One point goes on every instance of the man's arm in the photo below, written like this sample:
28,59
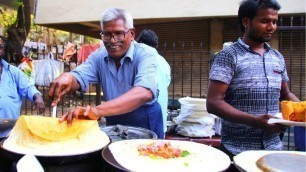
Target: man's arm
216,105
62,85
39,103
286,94
127,102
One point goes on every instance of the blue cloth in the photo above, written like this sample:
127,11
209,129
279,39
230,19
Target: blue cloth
14,85
254,84
138,68
300,138
147,116
163,79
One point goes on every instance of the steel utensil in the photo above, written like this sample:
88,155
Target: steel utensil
54,111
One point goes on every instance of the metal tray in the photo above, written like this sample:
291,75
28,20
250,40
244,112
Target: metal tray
122,132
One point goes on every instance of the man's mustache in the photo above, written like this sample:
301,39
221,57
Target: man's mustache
115,44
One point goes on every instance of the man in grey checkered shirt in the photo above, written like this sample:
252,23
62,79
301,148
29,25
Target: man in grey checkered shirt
247,81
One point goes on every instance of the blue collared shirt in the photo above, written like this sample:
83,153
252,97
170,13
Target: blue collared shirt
14,85
138,68
163,79
254,85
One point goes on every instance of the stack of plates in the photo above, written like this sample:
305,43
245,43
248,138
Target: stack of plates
194,120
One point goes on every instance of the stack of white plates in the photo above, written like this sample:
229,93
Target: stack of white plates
194,120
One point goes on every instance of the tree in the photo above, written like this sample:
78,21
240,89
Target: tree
17,32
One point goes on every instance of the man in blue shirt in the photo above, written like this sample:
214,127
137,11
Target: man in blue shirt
150,38
127,72
14,85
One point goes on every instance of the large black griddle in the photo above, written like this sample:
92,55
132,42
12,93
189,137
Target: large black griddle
6,125
120,132
50,160
89,161
109,158
282,162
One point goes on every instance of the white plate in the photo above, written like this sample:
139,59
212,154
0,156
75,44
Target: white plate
279,115
286,122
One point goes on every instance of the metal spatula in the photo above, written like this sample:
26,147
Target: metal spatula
54,111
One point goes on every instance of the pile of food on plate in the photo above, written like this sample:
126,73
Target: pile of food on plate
161,150
294,111
41,135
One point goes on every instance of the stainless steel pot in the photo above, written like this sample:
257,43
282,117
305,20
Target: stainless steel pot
123,132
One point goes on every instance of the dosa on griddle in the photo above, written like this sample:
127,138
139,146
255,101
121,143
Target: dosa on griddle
50,129
40,135
201,157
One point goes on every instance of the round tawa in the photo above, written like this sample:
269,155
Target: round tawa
282,162
201,158
247,160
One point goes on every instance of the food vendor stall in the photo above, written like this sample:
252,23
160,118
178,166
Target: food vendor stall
86,146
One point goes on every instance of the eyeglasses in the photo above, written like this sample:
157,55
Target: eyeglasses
117,36
2,47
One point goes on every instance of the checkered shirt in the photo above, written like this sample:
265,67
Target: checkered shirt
254,84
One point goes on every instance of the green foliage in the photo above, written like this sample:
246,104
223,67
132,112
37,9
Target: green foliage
62,36
7,18
91,40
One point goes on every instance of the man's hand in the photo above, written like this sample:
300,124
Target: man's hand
39,104
262,122
62,85
80,113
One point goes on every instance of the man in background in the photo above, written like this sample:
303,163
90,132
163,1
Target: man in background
150,38
15,85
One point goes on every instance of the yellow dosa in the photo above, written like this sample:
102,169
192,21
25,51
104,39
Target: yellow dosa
40,135
50,128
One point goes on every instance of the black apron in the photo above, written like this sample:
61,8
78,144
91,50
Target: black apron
146,116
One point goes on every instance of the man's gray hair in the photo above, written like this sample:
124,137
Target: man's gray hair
116,13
